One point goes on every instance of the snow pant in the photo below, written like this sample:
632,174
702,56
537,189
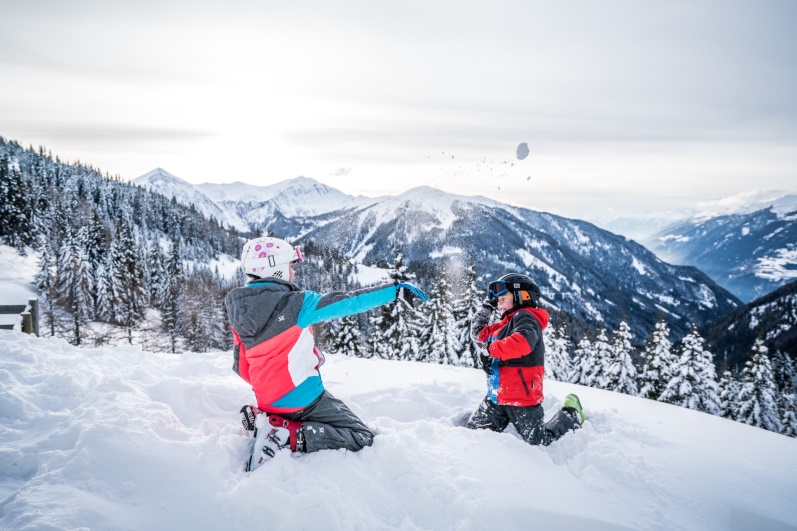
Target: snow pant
527,420
329,424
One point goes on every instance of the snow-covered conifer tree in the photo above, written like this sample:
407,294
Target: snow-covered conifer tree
583,364
729,388
557,354
158,279
757,404
346,338
397,335
15,212
657,362
788,415
104,295
694,382
439,335
785,377
173,296
46,279
621,373
128,281
601,360
75,285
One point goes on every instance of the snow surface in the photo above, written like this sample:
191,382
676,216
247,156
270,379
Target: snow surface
119,438
16,280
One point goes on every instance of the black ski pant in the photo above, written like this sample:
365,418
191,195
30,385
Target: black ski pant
329,424
527,420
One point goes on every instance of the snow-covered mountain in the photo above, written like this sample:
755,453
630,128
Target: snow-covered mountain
592,274
749,253
644,226
166,184
245,206
773,318
117,438
595,275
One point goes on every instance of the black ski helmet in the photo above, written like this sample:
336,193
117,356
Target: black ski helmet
525,291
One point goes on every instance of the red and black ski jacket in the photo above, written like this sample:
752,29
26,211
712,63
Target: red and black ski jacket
516,345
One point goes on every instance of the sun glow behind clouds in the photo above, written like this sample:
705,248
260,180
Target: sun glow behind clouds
622,105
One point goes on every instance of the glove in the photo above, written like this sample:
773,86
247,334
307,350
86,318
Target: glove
407,293
490,304
486,362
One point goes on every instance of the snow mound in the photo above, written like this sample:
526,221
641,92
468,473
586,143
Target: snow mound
119,438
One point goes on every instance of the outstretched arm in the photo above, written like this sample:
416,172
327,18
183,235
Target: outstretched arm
317,308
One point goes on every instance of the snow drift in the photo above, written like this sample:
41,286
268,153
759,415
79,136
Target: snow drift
119,438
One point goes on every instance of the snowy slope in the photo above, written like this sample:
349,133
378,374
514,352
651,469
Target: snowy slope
117,438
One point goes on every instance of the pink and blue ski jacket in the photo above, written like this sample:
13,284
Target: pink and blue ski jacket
273,345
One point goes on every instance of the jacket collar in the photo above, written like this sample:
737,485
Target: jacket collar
541,314
255,283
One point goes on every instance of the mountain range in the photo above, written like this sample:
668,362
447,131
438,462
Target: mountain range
592,274
749,253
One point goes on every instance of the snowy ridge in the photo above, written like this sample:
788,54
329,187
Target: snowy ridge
118,438
300,197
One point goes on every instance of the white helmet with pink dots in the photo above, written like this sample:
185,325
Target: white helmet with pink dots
269,257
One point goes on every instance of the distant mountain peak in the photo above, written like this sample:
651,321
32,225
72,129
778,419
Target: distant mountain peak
159,175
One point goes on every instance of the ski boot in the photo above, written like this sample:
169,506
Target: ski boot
283,433
295,431
573,404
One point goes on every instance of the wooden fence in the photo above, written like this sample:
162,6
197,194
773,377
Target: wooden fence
29,315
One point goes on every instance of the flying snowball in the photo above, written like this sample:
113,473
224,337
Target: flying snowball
522,150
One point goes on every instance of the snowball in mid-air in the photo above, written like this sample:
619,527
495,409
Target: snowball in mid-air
522,150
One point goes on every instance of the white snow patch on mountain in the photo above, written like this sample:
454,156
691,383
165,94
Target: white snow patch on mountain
778,267
639,266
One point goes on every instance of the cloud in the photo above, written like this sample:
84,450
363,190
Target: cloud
82,133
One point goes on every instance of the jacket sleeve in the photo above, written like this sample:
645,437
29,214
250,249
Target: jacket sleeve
240,363
520,342
478,327
317,308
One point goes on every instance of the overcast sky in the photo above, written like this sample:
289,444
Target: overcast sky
626,106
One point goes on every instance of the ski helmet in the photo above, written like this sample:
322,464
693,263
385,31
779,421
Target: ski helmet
269,257
524,290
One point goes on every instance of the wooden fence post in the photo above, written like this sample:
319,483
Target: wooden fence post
27,323
34,313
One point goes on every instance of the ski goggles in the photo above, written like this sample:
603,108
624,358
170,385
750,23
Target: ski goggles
497,288
297,255
286,257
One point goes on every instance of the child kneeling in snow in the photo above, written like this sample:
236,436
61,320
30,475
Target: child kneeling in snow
514,364
275,353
